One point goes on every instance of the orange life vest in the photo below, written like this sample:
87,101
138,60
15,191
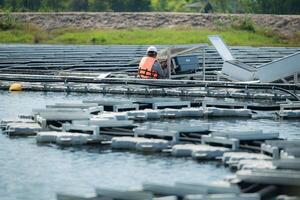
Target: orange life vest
145,68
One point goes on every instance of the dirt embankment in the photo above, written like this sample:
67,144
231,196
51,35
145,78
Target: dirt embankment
283,24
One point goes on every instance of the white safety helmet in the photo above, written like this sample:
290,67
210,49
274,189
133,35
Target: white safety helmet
152,49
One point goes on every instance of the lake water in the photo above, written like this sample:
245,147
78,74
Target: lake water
29,171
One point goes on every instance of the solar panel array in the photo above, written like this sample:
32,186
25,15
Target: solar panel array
35,58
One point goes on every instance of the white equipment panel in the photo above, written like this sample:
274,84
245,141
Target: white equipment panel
221,47
278,69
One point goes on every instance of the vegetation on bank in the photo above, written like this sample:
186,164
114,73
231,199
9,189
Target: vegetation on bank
223,6
238,32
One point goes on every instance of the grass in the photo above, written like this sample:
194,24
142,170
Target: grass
184,35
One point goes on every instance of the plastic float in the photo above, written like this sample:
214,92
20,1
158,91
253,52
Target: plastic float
219,187
233,158
275,147
226,103
292,114
257,164
47,137
223,112
15,87
171,104
290,153
157,132
152,145
293,164
22,129
74,139
221,141
4,122
289,110
66,138
126,195
246,135
171,190
264,176
73,105
198,151
173,130
224,197
140,144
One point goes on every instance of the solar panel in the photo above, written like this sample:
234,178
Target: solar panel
221,47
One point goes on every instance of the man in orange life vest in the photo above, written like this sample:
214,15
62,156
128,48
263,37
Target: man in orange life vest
150,68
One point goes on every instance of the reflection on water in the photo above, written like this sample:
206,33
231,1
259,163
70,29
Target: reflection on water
29,171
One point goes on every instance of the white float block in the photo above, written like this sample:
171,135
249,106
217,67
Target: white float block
22,129
209,152
183,150
287,164
246,135
264,176
186,150
112,115
220,187
65,116
73,105
77,127
152,145
255,164
153,114
289,114
171,104
290,152
283,144
171,113
272,150
191,112
73,139
224,197
125,107
223,112
47,137
172,190
208,139
142,131
128,143
108,123
137,115
229,157
124,195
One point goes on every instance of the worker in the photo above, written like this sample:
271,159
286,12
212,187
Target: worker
150,68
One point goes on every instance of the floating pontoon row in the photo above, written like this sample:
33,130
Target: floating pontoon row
270,94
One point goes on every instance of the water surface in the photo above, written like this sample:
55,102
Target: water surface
29,171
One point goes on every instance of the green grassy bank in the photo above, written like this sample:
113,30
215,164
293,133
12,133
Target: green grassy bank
246,34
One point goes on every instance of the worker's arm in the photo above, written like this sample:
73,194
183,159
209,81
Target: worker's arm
162,72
